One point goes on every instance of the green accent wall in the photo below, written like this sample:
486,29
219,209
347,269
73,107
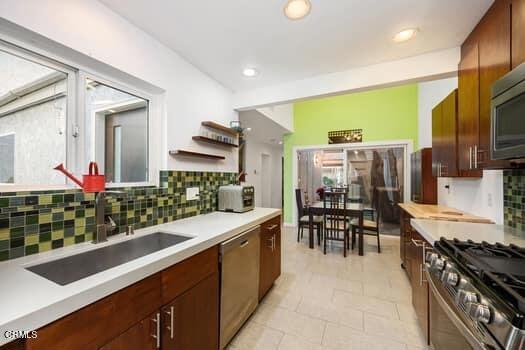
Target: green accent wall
383,114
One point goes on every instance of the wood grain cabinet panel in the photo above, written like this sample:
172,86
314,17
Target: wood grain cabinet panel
494,42
185,274
270,267
95,325
518,32
468,108
445,137
141,336
191,321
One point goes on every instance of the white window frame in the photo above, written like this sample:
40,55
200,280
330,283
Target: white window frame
153,122
77,158
71,105
14,158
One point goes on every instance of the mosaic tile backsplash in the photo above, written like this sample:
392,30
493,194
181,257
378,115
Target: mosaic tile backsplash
514,198
33,222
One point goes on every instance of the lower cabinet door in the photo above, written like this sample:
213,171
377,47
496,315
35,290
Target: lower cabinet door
191,321
270,268
145,335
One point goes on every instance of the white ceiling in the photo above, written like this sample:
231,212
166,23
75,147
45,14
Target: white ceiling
222,37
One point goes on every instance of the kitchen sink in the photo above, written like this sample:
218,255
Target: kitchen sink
76,267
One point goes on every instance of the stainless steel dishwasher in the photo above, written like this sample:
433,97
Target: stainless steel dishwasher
239,281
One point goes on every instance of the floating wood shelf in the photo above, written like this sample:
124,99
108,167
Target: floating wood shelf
221,128
215,142
183,153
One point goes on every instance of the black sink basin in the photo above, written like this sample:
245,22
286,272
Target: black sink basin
73,268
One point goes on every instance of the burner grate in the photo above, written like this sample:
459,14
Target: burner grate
500,268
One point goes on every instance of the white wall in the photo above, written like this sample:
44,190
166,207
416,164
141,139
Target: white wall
281,114
254,151
483,197
429,95
91,29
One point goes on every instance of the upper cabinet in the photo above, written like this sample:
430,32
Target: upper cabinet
468,108
518,32
485,57
445,137
494,62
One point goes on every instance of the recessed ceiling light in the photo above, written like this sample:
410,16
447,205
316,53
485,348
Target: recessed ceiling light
405,35
248,129
250,72
280,142
297,9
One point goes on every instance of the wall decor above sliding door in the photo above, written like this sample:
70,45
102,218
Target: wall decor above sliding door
345,136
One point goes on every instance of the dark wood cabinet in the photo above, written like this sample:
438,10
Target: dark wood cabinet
468,108
142,336
494,42
270,267
437,141
485,57
423,182
518,33
445,137
133,318
191,321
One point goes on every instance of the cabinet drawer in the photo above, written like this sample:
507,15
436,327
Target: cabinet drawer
271,225
96,324
184,275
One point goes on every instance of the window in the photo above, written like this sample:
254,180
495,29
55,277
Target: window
117,127
51,113
7,159
33,106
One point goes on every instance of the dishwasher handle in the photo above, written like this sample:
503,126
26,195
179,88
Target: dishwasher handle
241,240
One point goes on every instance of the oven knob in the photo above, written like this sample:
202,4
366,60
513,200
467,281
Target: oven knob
439,264
479,312
431,257
469,298
452,279
464,297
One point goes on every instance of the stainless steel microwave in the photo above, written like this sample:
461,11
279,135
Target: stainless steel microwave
508,115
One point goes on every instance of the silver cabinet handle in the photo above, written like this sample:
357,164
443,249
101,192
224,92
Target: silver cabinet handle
273,243
171,314
245,243
156,336
417,243
475,156
270,228
470,157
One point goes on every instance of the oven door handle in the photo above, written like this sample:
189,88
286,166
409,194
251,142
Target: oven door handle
470,337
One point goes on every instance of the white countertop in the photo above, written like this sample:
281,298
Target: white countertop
28,301
433,230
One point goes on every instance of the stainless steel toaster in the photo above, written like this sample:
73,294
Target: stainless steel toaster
236,198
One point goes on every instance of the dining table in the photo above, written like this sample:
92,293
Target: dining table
353,210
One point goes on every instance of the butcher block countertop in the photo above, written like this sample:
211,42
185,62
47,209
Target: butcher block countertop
440,212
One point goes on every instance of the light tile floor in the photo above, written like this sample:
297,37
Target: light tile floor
327,302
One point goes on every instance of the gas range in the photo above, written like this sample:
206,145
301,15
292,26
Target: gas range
484,286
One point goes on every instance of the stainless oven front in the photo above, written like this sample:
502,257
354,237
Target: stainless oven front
449,327
508,116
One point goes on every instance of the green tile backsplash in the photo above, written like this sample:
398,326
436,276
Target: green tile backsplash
33,222
514,198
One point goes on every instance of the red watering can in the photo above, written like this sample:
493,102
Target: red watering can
92,182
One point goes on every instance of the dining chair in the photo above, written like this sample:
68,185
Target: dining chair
336,221
370,227
304,219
